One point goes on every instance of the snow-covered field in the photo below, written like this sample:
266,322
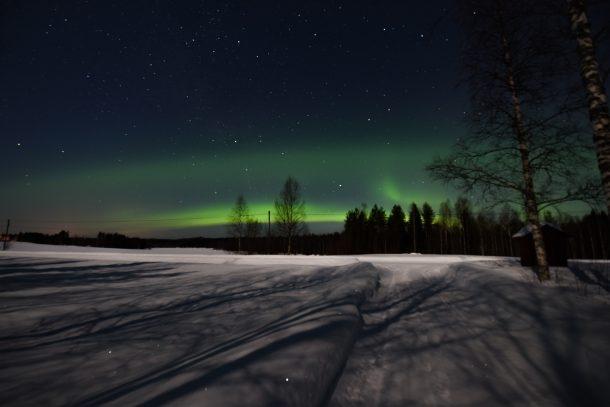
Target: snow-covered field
91,326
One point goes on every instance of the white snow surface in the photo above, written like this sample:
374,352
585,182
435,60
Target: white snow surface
92,326
212,256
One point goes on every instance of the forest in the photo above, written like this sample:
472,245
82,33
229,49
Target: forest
453,228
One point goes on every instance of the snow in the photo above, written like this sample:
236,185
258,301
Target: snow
212,256
478,334
201,327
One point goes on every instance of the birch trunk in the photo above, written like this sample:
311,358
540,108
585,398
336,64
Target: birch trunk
529,195
596,94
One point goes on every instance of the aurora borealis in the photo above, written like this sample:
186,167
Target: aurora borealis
189,193
150,118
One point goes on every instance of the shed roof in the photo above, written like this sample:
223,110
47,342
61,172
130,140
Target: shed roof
527,229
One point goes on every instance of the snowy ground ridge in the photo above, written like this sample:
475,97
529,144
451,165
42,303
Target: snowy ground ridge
348,324
294,326
365,295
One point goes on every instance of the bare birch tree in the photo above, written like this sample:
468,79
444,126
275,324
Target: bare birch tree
522,147
238,220
253,228
290,212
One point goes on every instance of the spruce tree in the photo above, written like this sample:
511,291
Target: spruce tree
464,216
428,220
355,230
445,222
377,229
396,229
415,228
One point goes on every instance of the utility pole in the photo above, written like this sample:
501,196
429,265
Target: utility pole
8,223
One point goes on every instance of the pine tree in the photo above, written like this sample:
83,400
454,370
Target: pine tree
510,224
377,229
355,229
464,216
445,222
415,228
428,220
396,229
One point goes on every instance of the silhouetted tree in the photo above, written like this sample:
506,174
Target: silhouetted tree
110,240
63,237
445,222
485,235
377,229
253,228
355,229
463,214
397,229
290,212
237,220
415,228
510,223
427,214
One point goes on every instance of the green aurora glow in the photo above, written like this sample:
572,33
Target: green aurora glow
188,193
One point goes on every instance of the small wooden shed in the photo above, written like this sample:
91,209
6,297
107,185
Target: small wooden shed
555,242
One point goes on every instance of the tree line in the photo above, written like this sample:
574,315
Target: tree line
115,240
456,227
452,228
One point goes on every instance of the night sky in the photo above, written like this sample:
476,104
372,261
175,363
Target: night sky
150,117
